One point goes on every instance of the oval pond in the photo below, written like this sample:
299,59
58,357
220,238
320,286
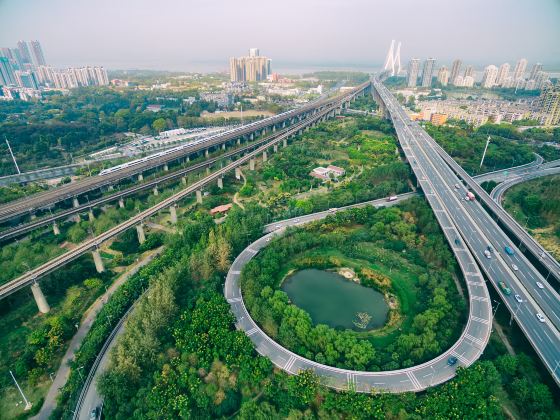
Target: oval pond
332,300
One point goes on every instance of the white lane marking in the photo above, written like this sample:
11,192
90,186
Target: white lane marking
413,380
236,272
233,300
474,339
290,363
251,250
482,321
251,331
538,336
460,357
482,298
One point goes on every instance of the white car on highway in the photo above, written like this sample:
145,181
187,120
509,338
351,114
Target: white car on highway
540,317
540,285
515,268
518,298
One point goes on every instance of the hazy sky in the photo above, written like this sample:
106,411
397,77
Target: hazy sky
203,34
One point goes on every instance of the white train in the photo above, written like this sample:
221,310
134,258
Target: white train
196,142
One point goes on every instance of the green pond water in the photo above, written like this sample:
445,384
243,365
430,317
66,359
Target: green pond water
332,300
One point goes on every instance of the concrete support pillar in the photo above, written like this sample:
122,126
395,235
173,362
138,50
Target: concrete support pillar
156,192
239,140
33,216
188,158
98,261
173,213
237,173
166,167
56,229
90,215
110,188
252,164
285,142
284,124
140,177
220,183
40,299
141,233
207,170
274,128
275,148
121,203
199,196
206,153
75,202
184,180
223,146
265,156
252,136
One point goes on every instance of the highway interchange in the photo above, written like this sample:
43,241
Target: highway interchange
463,223
479,231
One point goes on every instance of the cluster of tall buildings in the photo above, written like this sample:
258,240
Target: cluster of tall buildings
251,68
492,76
500,76
24,69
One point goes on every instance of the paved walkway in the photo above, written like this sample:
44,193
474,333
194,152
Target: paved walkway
90,315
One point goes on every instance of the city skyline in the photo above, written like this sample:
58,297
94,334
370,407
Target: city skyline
364,44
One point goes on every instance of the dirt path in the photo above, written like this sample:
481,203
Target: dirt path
89,316
236,196
503,337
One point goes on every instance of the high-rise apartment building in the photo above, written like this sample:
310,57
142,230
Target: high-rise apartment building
549,103
7,75
489,77
24,52
535,70
541,79
37,56
469,72
428,71
413,70
26,79
443,75
249,69
254,52
520,68
468,81
455,70
503,74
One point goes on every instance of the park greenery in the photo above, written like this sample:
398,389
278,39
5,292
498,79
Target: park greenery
364,147
398,250
535,204
180,354
466,145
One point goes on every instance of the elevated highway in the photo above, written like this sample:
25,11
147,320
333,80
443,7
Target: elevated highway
121,194
33,276
30,204
467,349
499,190
479,231
538,253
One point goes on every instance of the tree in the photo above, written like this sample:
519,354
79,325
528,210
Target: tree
159,125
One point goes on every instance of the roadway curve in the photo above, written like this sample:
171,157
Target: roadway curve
467,349
479,230
499,190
